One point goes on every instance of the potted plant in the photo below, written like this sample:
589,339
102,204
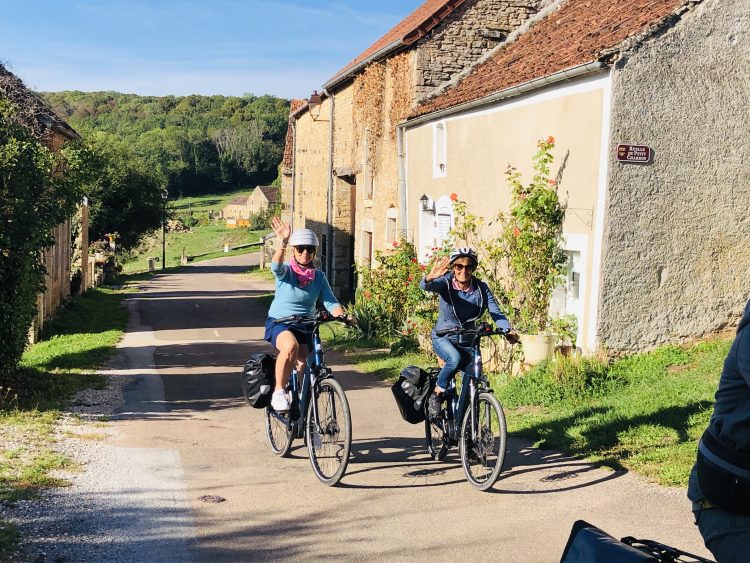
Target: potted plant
536,260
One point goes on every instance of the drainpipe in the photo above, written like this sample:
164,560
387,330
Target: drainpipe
329,210
402,205
294,168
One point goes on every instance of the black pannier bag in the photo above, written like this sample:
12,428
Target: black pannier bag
588,544
258,380
411,392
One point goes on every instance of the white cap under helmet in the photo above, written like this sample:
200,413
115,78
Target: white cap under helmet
303,237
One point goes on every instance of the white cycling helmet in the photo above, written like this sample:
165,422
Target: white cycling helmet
464,252
303,237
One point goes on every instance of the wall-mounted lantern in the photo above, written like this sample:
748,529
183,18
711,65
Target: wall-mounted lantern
426,203
313,104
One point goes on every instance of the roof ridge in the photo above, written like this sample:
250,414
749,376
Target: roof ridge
435,12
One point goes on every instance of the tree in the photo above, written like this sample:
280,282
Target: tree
124,197
38,191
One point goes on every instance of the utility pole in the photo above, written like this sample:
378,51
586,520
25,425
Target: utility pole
164,196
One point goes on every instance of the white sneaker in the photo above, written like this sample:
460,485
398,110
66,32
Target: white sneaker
280,401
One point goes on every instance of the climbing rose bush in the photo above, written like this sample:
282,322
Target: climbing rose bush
394,298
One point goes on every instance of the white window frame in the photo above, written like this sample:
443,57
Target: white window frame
443,206
391,215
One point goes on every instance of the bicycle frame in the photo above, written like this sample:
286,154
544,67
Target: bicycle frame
467,399
301,397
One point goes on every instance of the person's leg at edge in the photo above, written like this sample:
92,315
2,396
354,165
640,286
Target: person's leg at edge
289,350
725,534
445,350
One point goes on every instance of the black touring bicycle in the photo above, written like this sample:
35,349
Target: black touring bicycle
473,418
319,412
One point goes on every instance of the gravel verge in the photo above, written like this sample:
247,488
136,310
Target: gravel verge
122,505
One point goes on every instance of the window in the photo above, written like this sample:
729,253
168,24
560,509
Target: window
439,155
391,231
568,297
443,220
367,248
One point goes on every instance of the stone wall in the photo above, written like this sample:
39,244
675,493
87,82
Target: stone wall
312,161
466,35
677,243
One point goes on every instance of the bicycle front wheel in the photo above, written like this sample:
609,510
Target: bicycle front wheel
278,432
329,439
483,454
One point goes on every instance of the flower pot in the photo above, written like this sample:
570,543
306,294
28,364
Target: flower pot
537,347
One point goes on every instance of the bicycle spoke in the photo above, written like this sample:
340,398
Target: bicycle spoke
482,456
278,432
329,439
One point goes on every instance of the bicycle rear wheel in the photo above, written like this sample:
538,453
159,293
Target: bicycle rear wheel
436,436
329,440
279,433
482,459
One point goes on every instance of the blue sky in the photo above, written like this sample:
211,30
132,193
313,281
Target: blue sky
282,47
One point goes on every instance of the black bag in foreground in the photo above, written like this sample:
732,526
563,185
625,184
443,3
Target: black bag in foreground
589,544
258,380
411,392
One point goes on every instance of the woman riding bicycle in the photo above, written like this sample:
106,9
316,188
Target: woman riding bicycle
463,299
299,285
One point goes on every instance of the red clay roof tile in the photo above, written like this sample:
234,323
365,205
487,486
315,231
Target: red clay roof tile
286,163
578,32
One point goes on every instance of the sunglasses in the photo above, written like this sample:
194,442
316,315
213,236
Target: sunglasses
308,249
467,267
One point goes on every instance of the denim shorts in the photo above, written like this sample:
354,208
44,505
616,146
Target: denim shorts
303,334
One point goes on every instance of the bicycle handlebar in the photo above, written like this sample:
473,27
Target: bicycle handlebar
319,318
484,329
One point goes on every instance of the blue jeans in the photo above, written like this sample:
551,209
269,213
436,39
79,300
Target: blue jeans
726,534
455,357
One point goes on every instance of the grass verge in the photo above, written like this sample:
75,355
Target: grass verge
80,338
644,413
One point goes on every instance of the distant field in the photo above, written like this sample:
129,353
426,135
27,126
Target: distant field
206,236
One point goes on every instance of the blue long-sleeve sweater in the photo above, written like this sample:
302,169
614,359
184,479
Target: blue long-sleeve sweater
291,299
459,308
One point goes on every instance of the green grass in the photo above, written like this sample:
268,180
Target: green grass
202,239
206,237
80,338
645,413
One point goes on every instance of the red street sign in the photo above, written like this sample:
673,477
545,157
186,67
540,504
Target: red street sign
634,153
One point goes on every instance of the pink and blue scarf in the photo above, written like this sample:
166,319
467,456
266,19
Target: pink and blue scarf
305,275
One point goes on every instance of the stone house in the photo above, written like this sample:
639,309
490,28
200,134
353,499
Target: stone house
242,206
341,171
658,247
262,198
50,129
237,208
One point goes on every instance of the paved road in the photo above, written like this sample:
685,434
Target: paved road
188,430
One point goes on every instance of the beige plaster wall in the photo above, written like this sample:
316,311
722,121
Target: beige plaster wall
481,145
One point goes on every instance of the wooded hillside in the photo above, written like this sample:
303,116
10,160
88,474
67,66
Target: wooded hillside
194,144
